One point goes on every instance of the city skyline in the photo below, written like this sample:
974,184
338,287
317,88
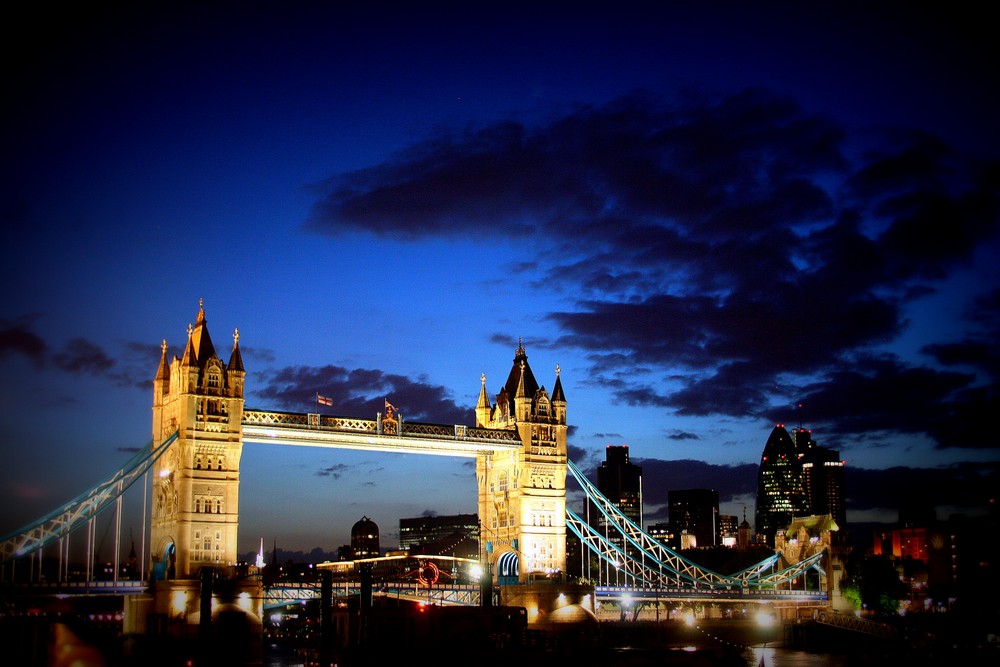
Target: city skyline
711,219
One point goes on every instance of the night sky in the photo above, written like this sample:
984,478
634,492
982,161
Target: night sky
714,217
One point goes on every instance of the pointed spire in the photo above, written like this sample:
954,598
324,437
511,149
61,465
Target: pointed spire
484,399
190,356
236,359
202,342
521,392
557,390
163,371
520,372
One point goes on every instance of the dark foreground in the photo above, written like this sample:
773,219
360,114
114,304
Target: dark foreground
51,642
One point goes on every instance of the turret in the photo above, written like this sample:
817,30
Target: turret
483,407
522,402
558,400
235,372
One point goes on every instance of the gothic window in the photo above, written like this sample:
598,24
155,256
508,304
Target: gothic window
218,507
214,379
218,463
503,482
197,508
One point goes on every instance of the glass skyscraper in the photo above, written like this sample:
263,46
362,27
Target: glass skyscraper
780,491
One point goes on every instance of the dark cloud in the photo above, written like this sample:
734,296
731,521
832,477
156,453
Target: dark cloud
965,486
719,250
357,392
334,471
16,337
660,477
83,356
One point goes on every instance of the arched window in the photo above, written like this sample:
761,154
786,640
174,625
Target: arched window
502,482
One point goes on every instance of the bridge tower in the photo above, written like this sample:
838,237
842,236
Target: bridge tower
195,506
522,493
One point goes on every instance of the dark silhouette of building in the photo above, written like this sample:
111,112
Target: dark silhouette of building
364,539
780,493
695,512
822,477
728,526
454,534
620,481
662,533
744,534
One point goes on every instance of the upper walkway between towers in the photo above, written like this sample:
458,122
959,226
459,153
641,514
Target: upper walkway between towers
381,434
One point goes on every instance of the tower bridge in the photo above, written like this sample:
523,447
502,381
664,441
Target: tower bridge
519,443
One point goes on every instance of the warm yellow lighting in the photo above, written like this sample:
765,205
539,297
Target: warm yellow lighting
764,619
532,613
178,602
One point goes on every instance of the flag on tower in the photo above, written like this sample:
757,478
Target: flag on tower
324,400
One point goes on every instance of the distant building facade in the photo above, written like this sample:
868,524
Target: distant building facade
798,478
728,529
822,477
448,535
365,539
661,532
695,513
620,481
780,492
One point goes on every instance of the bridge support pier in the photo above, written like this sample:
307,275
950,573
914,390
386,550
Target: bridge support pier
172,617
551,603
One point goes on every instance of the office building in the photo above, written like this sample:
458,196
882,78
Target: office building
694,512
621,482
780,493
822,477
450,535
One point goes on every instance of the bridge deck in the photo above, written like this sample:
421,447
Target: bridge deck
314,430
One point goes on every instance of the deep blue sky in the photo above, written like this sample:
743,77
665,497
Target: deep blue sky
706,215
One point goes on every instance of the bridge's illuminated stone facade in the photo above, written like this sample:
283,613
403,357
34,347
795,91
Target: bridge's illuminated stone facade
195,504
519,443
522,492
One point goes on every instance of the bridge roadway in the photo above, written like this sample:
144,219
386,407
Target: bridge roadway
282,593
315,430
465,594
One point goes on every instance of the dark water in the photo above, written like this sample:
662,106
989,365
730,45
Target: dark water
752,657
